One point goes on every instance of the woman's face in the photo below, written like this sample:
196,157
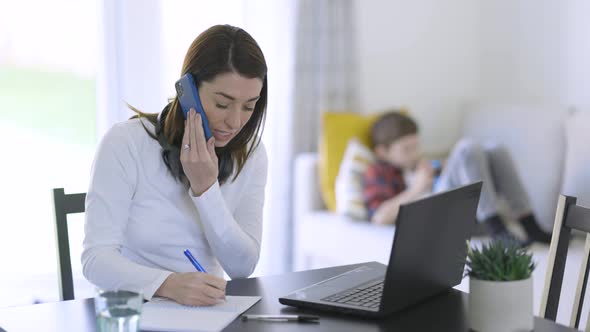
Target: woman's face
228,101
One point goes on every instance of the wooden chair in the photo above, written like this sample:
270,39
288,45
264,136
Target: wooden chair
63,205
568,217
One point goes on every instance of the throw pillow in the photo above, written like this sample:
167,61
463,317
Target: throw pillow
349,182
337,129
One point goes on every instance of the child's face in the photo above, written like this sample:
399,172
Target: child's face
403,153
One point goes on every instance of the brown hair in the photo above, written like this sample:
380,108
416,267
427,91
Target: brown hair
390,127
218,50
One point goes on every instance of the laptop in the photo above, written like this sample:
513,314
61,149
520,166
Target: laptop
427,258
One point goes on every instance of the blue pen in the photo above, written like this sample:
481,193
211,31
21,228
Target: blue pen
194,261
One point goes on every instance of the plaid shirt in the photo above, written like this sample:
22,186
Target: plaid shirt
381,182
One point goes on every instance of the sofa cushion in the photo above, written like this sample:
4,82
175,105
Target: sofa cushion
576,175
338,240
535,138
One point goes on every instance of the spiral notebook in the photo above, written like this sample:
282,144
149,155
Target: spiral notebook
165,315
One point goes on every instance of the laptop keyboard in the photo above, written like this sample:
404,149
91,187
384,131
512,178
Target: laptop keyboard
367,295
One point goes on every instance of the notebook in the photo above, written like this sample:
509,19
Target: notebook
165,315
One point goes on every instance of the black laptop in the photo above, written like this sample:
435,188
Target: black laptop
427,258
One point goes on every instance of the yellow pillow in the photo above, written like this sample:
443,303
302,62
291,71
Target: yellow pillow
337,129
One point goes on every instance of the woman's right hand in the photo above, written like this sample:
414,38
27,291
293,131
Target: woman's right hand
193,288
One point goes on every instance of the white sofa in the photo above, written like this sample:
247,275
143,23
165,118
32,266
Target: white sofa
535,137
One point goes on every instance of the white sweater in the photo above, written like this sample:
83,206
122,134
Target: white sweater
139,219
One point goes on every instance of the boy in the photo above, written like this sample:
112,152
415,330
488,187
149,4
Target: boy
400,176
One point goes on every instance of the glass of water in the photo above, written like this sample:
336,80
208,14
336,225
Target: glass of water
118,311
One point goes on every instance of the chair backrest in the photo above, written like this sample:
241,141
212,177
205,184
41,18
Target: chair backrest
63,205
568,217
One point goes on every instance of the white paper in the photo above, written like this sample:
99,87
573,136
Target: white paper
165,315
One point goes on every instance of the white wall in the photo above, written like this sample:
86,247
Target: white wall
522,51
435,57
422,55
535,52
577,58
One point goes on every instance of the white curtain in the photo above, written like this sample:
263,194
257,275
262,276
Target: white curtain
325,76
272,24
128,69
326,71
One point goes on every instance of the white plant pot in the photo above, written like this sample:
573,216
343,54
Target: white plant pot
501,306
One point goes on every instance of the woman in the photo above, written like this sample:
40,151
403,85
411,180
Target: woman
157,187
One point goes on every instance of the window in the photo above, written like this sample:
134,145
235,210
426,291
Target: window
48,135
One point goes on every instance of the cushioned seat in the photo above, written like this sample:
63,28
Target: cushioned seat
327,234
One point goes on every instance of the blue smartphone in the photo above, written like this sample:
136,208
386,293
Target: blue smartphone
188,96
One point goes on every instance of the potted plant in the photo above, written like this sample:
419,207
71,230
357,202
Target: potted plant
500,287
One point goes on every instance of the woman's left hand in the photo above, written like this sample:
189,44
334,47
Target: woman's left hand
197,156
